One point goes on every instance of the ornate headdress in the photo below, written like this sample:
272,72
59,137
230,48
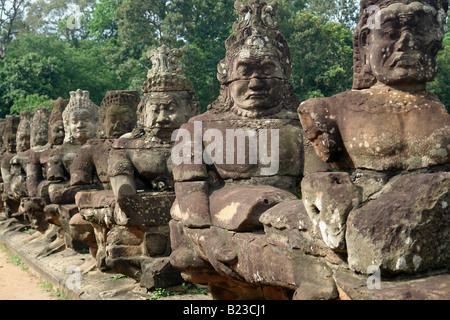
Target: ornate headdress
127,98
40,123
26,117
166,75
10,130
58,107
255,31
362,77
78,100
167,72
56,118
255,34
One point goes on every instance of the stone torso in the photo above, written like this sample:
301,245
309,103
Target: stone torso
283,136
151,160
384,129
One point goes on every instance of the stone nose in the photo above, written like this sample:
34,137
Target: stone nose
163,116
256,83
81,124
406,41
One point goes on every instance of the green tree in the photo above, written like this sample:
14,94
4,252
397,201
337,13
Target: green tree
345,12
441,85
67,20
104,23
11,21
52,67
203,25
322,55
142,22
27,75
30,102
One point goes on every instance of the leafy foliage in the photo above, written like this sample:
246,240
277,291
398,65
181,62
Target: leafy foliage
30,102
441,85
322,56
47,56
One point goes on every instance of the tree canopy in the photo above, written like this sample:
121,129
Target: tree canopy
49,48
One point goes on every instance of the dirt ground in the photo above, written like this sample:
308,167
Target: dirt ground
16,284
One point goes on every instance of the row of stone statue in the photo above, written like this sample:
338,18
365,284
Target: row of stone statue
150,188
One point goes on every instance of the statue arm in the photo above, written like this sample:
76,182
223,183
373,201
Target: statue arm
320,128
121,172
191,186
81,170
34,176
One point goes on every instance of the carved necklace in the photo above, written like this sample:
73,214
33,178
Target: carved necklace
255,114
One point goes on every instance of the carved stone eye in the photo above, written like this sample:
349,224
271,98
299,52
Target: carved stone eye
243,70
173,106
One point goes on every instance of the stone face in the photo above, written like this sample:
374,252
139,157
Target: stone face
39,127
118,113
406,55
404,228
80,118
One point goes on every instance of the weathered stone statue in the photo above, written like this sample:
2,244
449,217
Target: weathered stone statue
36,131
238,163
9,143
37,183
90,166
17,186
141,175
389,138
80,119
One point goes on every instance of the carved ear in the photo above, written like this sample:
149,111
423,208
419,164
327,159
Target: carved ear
363,77
363,40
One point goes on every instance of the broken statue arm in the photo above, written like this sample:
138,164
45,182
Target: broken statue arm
320,128
190,177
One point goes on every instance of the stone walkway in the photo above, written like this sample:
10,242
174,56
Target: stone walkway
17,284
60,269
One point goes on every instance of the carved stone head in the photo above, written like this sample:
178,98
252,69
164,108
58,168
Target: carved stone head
118,113
396,42
39,127
56,124
80,118
169,100
9,132
255,72
23,131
